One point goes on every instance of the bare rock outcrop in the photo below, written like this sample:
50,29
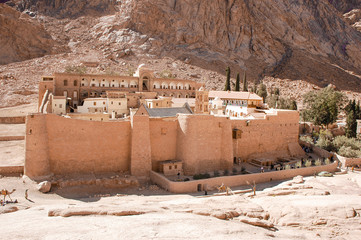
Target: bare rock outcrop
21,37
306,40
66,8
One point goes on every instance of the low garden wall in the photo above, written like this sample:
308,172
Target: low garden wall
12,120
317,150
348,162
237,180
11,170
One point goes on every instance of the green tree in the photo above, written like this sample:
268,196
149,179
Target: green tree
245,85
262,91
277,91
227,87
237,83
351,124
323,106
293,105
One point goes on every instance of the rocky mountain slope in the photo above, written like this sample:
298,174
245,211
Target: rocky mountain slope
22,37
306,40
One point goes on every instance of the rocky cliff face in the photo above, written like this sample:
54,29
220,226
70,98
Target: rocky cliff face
345,5
66,8
21,37
298,40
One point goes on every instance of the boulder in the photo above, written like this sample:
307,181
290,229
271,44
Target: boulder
44,187
298,179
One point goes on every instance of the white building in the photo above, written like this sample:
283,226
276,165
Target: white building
94,105
58,104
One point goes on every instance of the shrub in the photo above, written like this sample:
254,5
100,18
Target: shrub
308,163
287,167
201,176
76,69
234,171
306,139
216,173
226,172
349,152
298,164
243,169
318,162
327,161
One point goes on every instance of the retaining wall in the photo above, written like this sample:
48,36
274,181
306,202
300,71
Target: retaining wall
12,120
238,180
348,162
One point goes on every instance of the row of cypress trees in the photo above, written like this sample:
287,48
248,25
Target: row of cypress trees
227,86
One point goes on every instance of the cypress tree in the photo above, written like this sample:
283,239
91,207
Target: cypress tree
351,124
227,87
237,83
245,87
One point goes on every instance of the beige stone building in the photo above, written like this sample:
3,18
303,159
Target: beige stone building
157,136
77,87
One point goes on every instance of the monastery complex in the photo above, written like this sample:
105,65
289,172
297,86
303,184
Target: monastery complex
101,123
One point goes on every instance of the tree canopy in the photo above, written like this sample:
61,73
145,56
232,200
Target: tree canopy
322,107
262,91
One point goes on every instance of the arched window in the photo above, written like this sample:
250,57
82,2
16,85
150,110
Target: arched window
65,82
75,83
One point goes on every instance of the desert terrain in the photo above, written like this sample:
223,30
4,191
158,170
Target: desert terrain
319,208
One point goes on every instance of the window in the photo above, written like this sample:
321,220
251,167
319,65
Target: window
75,94
156,104
65,82
103,85
119,103
55,105
111,103
65,93
175,166
95,103
60,105
82,84
170,167
75,83
103,103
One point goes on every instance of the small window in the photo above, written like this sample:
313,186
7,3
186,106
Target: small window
55,105
156,104
170,167
175,167
95,103
111,102
119,104
65,82
75,83
103,103
91,119
60,105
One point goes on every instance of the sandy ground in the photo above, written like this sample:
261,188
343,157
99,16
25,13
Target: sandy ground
12,130
320,208
12,153
21,110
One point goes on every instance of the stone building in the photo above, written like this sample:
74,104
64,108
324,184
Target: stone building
77,87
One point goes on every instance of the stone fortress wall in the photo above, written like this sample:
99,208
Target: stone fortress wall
58,145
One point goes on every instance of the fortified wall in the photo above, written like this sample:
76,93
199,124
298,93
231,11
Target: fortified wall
60,146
